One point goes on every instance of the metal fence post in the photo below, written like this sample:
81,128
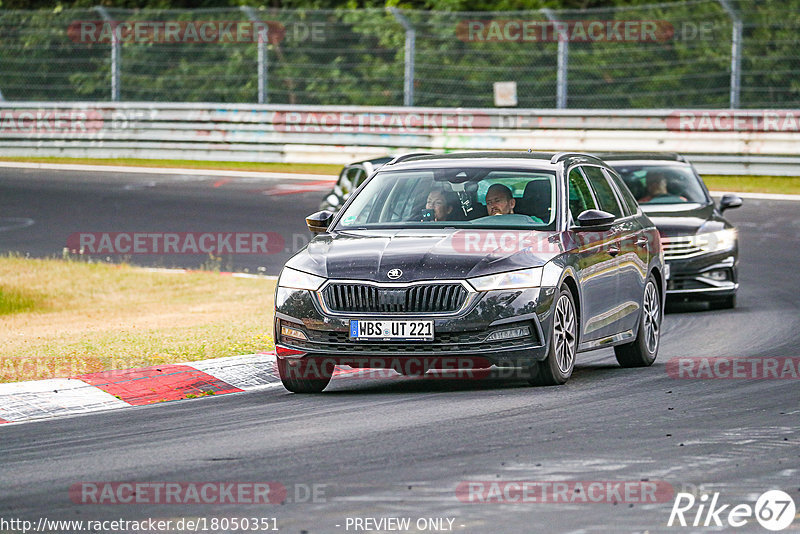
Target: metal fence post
263,59
563,62
116,54
411,41
736,53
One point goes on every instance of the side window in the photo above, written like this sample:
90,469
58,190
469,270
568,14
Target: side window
348,181
603,190
360,176
629,205
405,199
343,182
580,194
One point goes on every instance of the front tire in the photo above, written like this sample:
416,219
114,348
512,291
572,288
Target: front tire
305,375
642,351
557,367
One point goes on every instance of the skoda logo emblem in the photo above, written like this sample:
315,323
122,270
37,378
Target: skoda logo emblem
394,274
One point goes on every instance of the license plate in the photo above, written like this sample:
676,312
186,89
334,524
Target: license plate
391,330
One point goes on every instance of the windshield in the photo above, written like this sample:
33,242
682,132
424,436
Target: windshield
662,184
459,197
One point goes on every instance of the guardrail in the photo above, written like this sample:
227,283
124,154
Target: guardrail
719,141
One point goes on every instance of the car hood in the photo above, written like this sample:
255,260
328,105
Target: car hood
424,254
677,219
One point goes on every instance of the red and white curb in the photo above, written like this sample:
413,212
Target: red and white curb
109,390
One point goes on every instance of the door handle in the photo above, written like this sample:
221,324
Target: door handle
641,241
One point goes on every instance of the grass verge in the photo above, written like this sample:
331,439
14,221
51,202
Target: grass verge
782,185
310,168
65,318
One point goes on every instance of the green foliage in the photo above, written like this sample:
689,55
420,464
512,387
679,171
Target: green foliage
345,56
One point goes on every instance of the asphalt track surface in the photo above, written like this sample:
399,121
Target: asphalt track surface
39,210
399,447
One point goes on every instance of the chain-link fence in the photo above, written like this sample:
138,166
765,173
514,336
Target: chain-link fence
699,53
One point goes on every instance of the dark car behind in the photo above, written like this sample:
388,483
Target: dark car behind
700,245
350,178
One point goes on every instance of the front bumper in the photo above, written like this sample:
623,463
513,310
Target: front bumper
707,275
459,336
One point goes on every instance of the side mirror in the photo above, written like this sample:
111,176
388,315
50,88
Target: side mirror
596,220
729,201
318,222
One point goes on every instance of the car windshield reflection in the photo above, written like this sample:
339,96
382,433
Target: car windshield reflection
454,198
663,184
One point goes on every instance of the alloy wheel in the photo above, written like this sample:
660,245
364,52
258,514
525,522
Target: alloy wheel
564,327
651,317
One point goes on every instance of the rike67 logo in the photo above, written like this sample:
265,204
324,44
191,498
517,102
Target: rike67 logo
774,510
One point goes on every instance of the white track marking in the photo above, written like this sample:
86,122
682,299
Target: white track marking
14,223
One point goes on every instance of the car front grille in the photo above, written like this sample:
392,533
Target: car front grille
365,298
678,248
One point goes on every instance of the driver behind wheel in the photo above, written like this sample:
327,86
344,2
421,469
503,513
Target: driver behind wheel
500,200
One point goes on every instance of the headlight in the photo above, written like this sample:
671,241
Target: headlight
299,280
511,280
715,241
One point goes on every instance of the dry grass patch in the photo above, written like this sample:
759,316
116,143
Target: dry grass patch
63,318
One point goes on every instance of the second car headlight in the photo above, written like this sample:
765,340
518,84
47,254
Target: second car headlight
299,280
715,241
511,280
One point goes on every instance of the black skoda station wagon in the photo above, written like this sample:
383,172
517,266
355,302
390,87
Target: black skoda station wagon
473,260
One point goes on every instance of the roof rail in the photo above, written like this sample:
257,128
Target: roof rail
668,156
403,157
561,156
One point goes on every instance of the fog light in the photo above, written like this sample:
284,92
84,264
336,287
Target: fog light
509,333
293,333
719,275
